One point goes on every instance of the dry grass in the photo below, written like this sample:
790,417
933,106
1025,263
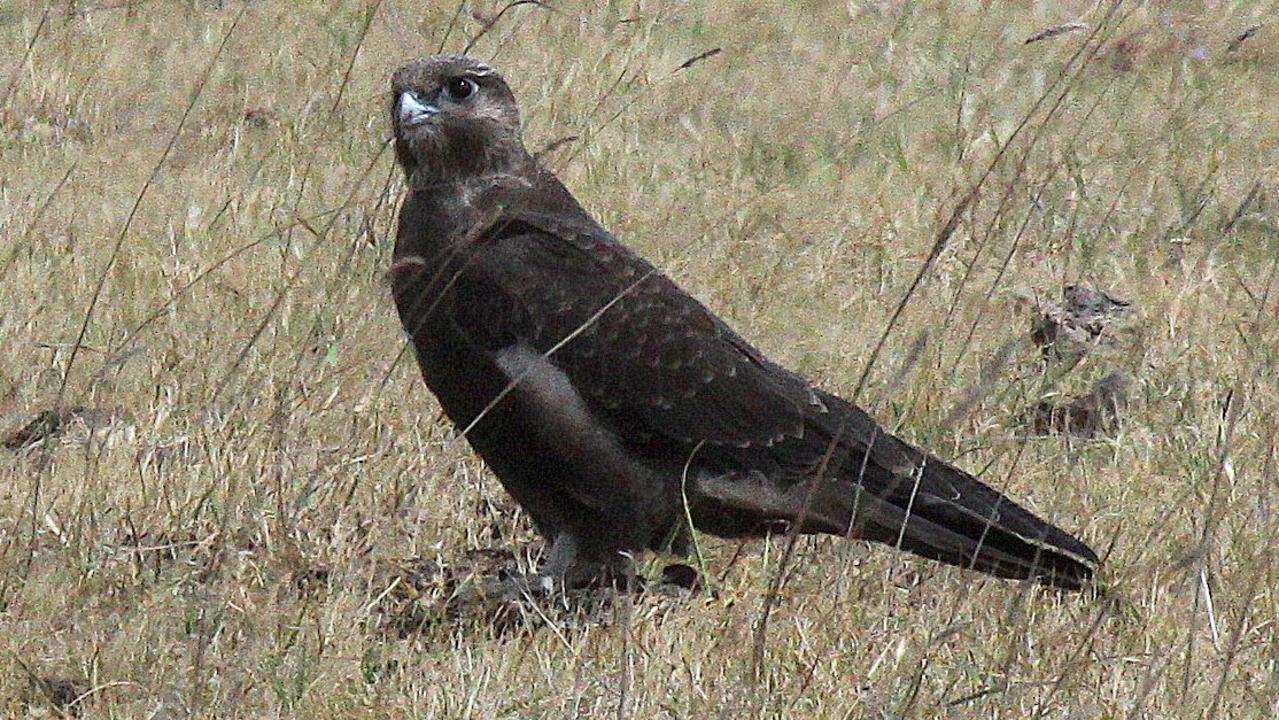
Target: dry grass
260,491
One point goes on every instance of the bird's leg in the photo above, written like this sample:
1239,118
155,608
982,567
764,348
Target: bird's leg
496,593
564,565
570,567
563,556
567,567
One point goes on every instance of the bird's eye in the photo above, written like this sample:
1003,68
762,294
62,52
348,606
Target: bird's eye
460,88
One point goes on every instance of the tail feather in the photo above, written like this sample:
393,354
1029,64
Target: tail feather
869,484
905,497
947,515
943,513
886,491
991,542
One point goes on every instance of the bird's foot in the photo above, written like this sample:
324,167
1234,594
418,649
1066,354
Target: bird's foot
576,591
505,587
544,585
510,601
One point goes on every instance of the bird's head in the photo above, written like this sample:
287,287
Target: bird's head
454,117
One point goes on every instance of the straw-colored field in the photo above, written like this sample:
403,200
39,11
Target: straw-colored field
255,504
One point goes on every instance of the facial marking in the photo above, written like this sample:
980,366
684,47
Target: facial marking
453,118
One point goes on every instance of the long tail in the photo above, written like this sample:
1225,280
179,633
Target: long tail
877,487
902,496
943,513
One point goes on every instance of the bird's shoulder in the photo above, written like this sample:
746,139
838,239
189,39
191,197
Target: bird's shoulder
534,270
632,340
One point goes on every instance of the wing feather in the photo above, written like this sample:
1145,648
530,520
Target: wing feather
630,340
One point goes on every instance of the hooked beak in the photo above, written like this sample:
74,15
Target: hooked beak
413,112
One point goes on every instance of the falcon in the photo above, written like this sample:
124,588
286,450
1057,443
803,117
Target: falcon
614,407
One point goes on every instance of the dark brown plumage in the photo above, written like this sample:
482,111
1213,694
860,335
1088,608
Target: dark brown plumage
603,395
